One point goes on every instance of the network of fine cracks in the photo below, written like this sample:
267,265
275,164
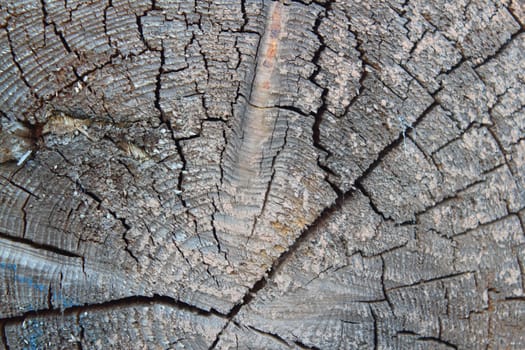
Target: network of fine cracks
326,214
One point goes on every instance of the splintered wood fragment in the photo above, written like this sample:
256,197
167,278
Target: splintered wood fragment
24,157
60,124
132,150
16,142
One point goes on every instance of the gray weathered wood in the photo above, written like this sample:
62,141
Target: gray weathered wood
313,174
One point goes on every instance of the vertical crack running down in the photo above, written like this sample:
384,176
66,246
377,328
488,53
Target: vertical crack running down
376,329
58,33
17,64
3,335
50,297
383,287
158,85
126,226
316,136
272,175
105,22
182,170
214,231
318,116
244,16
81,333
124,238
24,217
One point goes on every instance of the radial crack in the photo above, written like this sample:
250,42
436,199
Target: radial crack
39,246
137,300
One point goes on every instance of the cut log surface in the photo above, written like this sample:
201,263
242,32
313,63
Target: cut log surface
234,174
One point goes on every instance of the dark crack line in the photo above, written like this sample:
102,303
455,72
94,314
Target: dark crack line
127,249
81,78
376,327
218,336
438,340
324,216
365,192
314,225
248,297
58,33
318,275
140,29
515,16
182,254
499,97
38,246
511,299
427,156
270,182
128,302
274,336
158,85
261,283
81,333
221,162
204,61
127,228
405,332
302,345
3,335
503,152
203,261
364,63
431,280
457,192
486,224
322,3
44,19
99,202
323,108
50,297
183,170
25,190
244,16
316,136
501,48
17,64
214,231
522,223
466,130
383,285
105,22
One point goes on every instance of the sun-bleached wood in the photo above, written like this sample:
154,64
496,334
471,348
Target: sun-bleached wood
317,174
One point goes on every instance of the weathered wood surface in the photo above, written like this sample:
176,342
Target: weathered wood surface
262,174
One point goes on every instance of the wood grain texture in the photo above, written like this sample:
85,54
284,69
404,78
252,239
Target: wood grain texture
318,174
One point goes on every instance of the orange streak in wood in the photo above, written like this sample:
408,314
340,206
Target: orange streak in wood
274,31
